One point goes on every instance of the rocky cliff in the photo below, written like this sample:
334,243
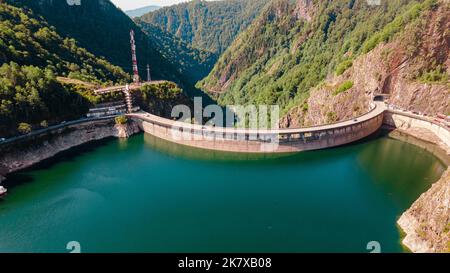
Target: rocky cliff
427,222
33,150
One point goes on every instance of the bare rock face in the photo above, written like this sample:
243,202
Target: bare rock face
325,108
415,54
427,222
304,9
126,130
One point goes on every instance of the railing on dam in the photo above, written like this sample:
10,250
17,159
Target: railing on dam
265,141
444,125
53,128
405,120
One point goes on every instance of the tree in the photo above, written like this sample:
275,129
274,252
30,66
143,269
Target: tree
44,124
24,128
121,120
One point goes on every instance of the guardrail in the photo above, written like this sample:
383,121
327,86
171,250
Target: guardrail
444,126
257,140
377,109
52,128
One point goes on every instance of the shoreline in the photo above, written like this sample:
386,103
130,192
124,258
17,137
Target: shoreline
30,150
438,150
425,225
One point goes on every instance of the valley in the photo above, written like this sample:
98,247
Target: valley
340,72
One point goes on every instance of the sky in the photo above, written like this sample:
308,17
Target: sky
134,4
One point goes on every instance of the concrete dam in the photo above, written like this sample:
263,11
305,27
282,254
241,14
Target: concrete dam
263,141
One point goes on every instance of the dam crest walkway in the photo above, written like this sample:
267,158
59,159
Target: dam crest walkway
263,141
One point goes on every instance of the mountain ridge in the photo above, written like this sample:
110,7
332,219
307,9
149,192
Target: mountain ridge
105,31
141,11
297,46
206,25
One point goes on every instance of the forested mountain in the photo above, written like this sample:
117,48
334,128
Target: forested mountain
192,63
32,55
141,11
104,30
295,47
28,40
207,25
47,78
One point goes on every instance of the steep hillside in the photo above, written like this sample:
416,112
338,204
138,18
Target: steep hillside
104,30
194,64
46,78
159,99
412,72
207,25
32,55
298,46
427,222
28,40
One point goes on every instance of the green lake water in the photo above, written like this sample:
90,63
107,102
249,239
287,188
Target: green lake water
146,195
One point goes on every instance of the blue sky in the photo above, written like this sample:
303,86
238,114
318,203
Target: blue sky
133,4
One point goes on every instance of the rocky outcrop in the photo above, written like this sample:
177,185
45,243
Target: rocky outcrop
427,222
324,108
25,153
304,9
424,48
126,130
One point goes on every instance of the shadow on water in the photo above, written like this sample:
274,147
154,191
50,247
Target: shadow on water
396,164
21,177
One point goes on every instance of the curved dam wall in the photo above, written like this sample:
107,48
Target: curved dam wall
404,121
262,141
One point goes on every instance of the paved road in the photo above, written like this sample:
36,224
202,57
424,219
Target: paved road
379,108
441,123
122,87
54,127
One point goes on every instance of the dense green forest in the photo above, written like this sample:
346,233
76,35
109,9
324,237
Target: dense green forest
103,29
293,45
45,77
194,64
28,40
33,96
159,99
32,55
207,25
